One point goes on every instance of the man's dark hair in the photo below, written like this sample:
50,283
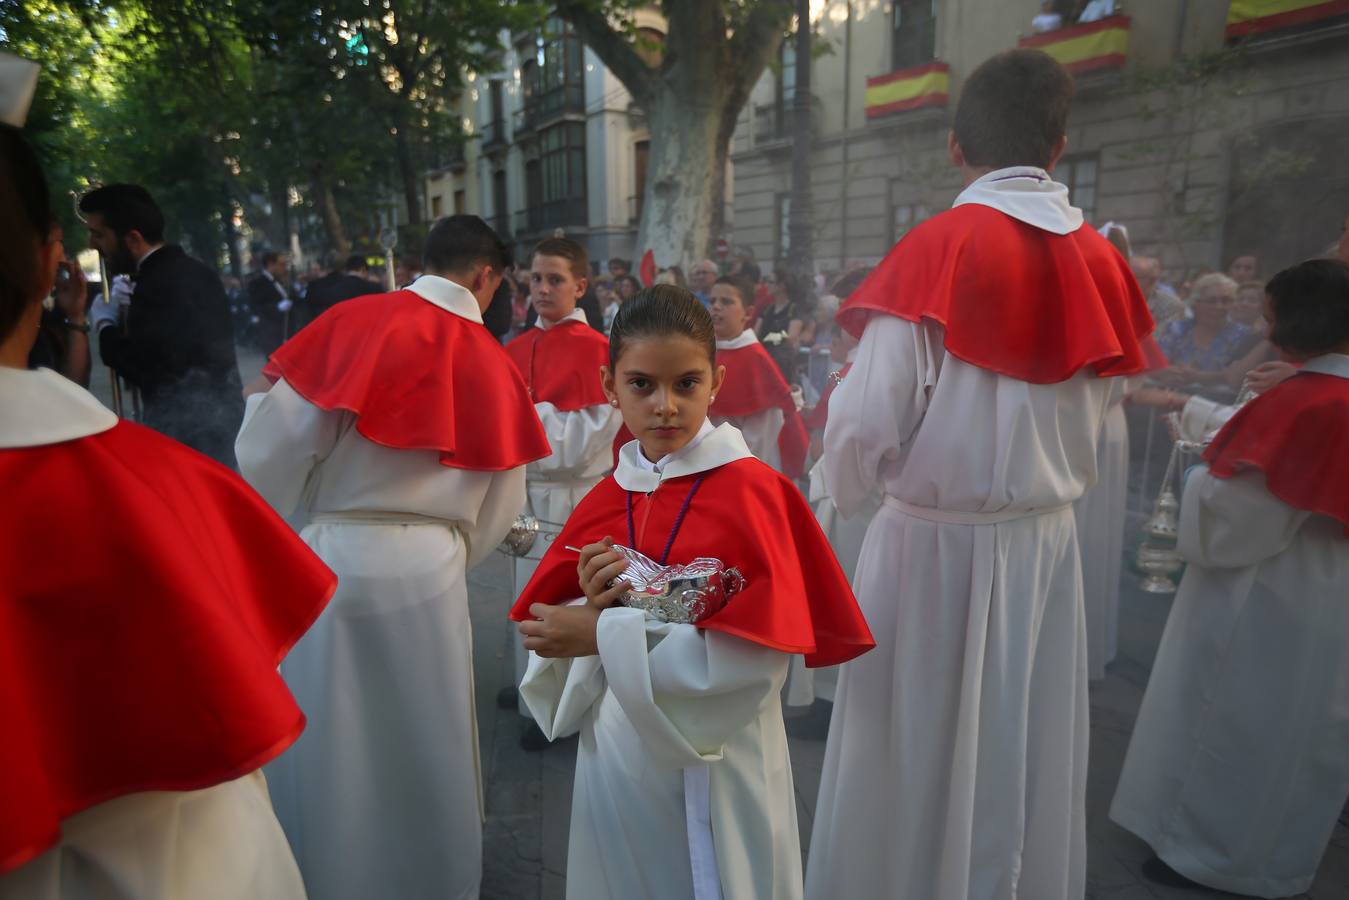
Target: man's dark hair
849,281
619,262
357,261
742,286
456,245
126,208
659,311
1013,110
1311,307
269,258
25,209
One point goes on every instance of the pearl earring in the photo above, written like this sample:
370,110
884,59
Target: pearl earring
613,402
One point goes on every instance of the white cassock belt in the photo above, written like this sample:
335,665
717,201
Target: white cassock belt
957,517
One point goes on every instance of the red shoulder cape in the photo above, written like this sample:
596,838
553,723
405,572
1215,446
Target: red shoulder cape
818,417
149,595
1012,298
796,598
753,384
561,365
418,377
1298,435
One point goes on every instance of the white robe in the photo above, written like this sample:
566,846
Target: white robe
957,754
1101,515
683,782
219,843
761,429
381,796
582,442
1239,763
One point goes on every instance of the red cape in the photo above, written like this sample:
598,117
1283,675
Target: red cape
1012,298
561,365
1298,435
418,377
149,595
818,417
753,384
796,598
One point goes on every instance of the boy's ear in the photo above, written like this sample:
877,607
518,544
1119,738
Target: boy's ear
953,150
581,285
1059,146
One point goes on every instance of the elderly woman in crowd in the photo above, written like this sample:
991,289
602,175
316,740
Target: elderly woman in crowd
1202,348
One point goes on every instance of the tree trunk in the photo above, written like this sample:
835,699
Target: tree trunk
686,182
407,169
332,220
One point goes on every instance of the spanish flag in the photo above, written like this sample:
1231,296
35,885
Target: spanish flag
1103,44
928,85
1247,17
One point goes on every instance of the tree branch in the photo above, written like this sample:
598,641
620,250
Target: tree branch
611,46
756,42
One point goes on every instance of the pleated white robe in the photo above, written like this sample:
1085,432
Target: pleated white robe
1101,513
1239,762
683,786
956,763
381,795
763,428
582,443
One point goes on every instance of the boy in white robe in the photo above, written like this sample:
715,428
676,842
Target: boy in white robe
956,762
1238,767
373,430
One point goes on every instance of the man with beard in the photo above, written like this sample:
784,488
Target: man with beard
177,347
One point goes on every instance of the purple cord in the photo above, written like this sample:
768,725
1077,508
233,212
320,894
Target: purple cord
674,530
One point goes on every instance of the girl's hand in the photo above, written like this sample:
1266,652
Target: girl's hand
562,631
598,571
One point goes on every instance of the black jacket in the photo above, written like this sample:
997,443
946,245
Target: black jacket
178,350
332,289
273,326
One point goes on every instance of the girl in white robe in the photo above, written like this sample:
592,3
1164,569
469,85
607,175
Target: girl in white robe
683,783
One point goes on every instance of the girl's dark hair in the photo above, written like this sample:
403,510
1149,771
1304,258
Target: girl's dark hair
1311,307
660,310
25,209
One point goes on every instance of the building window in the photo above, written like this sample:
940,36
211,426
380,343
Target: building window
784,227
552,73
500,217
460,201
1079,173
555,182
437,202
914,41
904,217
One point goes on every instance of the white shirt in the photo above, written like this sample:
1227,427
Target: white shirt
576,315
659,466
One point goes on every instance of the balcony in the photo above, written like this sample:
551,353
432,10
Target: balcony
918,87
774,124
544,217
494,136
1092,47
543,108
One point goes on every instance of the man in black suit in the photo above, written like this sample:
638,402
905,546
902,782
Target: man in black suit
338,286
177,346
271,303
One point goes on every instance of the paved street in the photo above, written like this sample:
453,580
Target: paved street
529,794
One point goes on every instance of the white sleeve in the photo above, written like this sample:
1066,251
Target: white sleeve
558,692
687,691
761,432
878,406
580,440
282,438
1228,523
1201,417
504,499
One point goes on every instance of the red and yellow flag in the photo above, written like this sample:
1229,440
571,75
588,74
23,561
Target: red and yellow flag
1246,17
928,85
1103,44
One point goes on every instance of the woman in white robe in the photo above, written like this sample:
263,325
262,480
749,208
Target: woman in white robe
1238,767
1101,514
381,797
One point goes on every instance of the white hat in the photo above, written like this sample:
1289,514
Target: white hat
18,82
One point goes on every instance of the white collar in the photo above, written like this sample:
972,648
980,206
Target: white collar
42,407
1027,194
709,449
1336,364
148,253
740,341
448,295
576,315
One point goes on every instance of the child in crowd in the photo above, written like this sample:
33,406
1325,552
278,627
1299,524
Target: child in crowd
560,358
757,399
683,783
